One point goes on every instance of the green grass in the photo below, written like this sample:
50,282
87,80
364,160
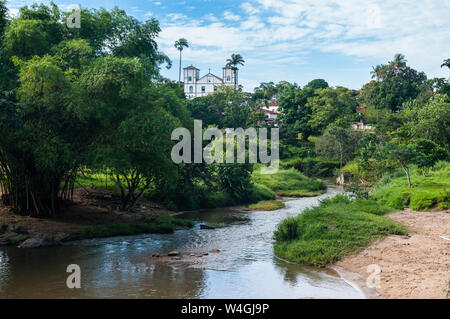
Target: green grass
338,227
267,205
427,192
290,182
160,224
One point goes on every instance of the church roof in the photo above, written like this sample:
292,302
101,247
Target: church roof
191,67
220,79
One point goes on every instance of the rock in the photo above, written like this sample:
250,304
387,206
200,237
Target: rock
37,242
61,237
3,228
207,227
173,253
155,255
214,251
176,258
11,239
198,256
205,254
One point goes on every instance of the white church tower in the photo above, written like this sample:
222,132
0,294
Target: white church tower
194,86
230,76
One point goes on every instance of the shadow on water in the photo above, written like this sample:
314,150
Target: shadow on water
122,267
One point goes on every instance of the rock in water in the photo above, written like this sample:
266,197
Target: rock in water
38,242
206,227
173,253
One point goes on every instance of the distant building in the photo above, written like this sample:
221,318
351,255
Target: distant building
362,126
271,111
196,86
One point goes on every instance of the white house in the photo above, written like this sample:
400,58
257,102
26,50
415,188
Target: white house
272,110
196,86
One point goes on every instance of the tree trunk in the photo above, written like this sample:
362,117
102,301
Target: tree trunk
179,74
406,169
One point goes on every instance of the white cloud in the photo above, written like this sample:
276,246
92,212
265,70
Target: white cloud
228,15
279,31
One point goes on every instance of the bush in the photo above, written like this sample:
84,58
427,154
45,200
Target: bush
287,230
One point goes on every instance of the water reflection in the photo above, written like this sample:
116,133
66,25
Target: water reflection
122,267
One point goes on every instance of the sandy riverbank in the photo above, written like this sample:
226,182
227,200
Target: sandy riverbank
413,266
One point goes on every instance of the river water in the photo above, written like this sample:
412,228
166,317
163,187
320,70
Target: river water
122,267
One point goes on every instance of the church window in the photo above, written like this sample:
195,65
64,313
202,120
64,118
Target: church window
203,89
190,79
228,78
191,89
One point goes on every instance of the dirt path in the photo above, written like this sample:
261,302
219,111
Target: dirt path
414,266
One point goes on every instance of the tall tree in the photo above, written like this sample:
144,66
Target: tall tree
236,59
3,16
396,83
446,63
180,45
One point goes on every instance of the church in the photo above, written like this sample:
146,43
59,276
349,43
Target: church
196,86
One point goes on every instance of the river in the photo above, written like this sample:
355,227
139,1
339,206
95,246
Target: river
122,267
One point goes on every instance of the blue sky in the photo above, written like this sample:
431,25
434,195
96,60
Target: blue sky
295,40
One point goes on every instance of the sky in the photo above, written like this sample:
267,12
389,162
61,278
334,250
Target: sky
294,40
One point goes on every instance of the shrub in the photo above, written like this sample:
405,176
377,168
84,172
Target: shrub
287,230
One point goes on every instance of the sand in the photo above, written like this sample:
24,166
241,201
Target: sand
416,266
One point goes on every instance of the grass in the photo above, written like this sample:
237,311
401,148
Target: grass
291,183
160,224
427,192
267,205
338,227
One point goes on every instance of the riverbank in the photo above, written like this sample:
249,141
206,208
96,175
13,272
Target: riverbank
412,266
338,227
94,213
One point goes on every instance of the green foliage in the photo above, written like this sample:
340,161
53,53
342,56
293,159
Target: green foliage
267,205
396,84
226,108
159,224
427,193
317,84
290,183
338,227
432,121
3,18
338,143
313,166
332,106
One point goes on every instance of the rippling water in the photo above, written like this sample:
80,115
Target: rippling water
122,267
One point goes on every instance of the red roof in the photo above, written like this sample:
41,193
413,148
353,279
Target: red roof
273,103
191,68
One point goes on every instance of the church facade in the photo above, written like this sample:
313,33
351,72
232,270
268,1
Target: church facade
196,86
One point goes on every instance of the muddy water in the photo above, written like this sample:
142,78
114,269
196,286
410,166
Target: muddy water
122,267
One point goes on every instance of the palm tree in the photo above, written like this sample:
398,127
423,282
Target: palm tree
399,63
236,59
180,45
446,63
